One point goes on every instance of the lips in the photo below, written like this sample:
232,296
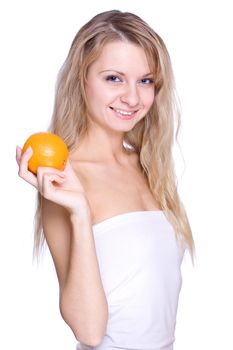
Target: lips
123,114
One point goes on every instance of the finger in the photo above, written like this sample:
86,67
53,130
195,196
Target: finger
28,177
48,186
51,177
18,154
24,173
41,171
25,156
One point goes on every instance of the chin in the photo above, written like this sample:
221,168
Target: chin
123,126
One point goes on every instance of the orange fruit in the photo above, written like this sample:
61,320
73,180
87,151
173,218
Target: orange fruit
49,150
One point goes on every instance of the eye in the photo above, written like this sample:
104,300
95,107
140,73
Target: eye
147,81
113,78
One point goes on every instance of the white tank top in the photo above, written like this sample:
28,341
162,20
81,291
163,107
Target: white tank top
139,259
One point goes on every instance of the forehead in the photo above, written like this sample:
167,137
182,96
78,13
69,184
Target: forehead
122,56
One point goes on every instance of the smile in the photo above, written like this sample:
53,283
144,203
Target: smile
122,114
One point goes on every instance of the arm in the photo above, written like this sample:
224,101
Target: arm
83,303
67,227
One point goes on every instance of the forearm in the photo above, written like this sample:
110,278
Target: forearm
82,300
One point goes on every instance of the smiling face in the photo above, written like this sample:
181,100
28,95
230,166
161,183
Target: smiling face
120,87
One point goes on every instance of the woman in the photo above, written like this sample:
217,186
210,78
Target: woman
113,220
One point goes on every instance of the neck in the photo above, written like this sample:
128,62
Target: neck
97,145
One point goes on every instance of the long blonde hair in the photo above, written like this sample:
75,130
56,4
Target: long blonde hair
152,138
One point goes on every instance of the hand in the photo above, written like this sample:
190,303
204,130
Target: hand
61,187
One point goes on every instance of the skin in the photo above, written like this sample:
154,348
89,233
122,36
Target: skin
102,179
119,80
132,91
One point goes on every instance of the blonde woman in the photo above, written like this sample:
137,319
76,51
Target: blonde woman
113,220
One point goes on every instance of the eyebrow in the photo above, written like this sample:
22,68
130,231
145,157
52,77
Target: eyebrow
121,73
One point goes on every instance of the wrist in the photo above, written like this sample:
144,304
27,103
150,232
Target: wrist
82,217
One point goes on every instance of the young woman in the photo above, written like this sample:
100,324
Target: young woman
113,220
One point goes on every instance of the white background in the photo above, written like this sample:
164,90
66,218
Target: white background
35,38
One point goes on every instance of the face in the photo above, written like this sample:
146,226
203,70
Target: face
119,88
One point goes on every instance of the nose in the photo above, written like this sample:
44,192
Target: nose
131,95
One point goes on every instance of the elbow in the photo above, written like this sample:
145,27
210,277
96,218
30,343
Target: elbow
91,341
88,338
88,332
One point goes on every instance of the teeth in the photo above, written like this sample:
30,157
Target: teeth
123,112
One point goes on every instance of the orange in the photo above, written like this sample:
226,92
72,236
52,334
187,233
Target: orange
49,150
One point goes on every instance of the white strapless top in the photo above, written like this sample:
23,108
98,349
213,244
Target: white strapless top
139,259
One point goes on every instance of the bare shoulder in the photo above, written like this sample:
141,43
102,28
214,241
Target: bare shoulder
114,187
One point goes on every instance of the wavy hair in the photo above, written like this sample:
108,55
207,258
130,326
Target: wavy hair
152,137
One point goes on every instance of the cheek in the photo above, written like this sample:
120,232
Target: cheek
149,98
100,94
93,99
